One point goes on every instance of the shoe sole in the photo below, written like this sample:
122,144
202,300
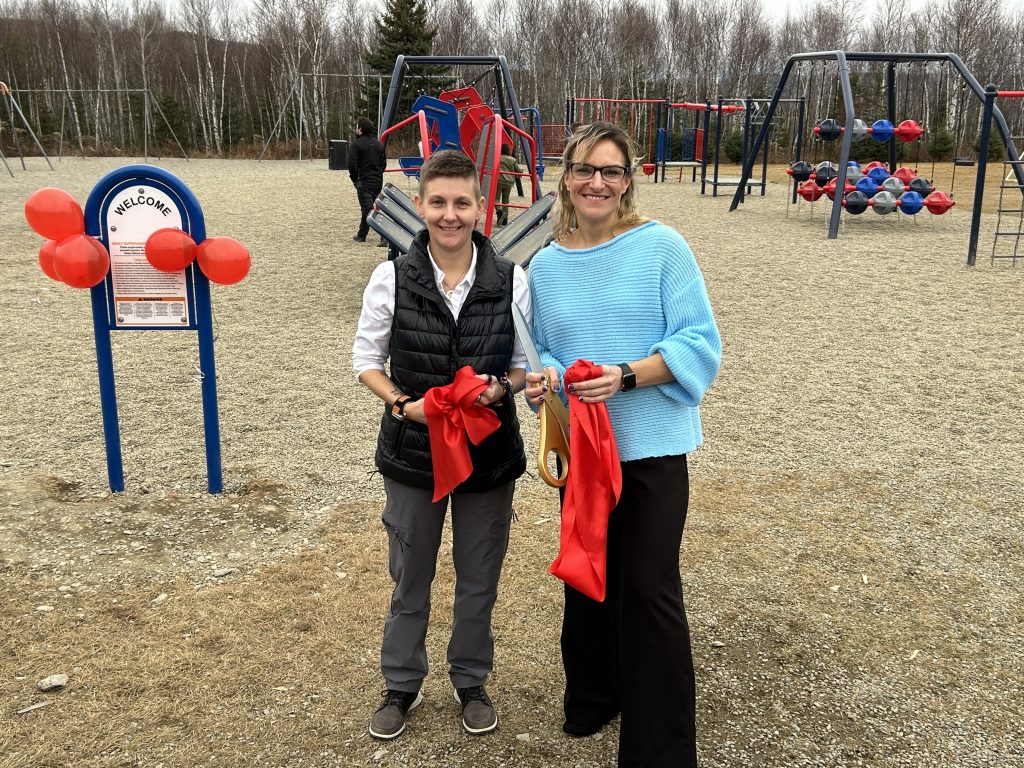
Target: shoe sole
475,731
400,731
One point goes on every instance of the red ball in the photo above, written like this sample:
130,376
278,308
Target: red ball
81,261
54,214
223,259
170,250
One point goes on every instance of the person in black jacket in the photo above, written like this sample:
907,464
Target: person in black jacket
444,305
366,163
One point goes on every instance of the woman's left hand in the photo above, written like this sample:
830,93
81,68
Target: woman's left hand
494,391
600,389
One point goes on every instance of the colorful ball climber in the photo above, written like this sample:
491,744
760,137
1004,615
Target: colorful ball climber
871,187
829,129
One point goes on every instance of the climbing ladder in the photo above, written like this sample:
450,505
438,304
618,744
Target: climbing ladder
1008,241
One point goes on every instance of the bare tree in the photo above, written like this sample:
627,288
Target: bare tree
459,31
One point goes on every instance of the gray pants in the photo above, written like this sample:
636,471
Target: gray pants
480,528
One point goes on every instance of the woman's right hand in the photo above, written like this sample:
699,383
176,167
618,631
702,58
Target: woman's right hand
537,384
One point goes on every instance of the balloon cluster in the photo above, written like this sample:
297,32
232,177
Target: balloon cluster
72,257
222,259
68,255
871,186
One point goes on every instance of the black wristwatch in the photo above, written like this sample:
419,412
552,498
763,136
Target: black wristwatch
398,407
506,384
628,378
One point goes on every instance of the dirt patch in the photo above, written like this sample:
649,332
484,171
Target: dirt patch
852,562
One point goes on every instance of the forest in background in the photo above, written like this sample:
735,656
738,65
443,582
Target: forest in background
224,78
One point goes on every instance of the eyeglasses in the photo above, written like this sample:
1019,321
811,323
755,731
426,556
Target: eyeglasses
583,171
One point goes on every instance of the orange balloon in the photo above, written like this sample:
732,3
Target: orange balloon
54,214
81,261
46,254
223,259
170,250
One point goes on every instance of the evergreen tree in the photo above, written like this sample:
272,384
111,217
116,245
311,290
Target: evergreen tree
402,29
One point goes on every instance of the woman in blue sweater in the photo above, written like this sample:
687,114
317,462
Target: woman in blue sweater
625,293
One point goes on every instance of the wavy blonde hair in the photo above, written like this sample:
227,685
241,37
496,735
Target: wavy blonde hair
579,145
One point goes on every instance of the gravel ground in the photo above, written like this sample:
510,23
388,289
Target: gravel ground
853,556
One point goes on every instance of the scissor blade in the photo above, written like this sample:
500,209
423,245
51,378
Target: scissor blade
523,332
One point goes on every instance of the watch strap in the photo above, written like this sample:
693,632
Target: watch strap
628,377
398,407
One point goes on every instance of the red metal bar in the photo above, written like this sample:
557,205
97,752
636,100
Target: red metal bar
498,125
1010,94
424,133
697,107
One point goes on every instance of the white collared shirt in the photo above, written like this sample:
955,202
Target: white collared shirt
373,336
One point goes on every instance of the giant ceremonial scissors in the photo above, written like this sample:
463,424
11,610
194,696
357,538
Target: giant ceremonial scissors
554,417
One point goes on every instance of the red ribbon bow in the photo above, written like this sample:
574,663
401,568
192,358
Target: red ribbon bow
453,414
591,491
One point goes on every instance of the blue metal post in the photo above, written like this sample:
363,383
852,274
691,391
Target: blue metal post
108,394
979,184
211,422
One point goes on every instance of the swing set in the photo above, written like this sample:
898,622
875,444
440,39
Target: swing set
850,125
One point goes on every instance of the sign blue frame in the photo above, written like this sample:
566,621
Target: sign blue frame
200,316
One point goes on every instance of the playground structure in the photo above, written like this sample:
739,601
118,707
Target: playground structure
1012,178
459,119
13,108
67,106
652,124
871,186
694,141
847,132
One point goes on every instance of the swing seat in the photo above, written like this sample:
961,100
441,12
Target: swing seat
963,161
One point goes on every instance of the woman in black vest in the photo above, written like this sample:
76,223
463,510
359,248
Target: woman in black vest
444,305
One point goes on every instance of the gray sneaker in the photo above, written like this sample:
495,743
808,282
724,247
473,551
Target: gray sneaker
389,720
478,715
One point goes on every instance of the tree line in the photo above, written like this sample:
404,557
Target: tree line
224,79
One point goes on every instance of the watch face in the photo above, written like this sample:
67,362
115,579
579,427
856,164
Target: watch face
628,377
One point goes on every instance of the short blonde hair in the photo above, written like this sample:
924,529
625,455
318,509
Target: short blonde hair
583,139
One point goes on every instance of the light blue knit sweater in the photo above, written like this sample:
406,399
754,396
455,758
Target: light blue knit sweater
619,302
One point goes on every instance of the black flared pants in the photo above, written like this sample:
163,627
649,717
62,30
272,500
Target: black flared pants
631,653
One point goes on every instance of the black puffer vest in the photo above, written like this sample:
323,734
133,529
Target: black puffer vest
428,346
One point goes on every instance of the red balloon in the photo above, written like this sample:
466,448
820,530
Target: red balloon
54,214
46,254
223,259
81,261
170,250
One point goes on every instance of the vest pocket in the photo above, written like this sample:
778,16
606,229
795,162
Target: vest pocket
396,439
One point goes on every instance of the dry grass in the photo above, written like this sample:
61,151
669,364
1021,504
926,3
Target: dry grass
852,562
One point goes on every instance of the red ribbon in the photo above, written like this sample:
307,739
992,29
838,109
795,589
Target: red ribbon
591,491
453,414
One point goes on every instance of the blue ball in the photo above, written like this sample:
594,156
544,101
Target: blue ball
878,174
911,202
881,130
868,186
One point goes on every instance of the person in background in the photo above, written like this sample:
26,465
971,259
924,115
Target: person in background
444,305
506,179
626,293
366,163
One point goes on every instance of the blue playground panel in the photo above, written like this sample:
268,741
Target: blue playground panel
442,121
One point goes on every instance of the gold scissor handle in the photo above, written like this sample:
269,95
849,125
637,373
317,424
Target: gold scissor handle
554,438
